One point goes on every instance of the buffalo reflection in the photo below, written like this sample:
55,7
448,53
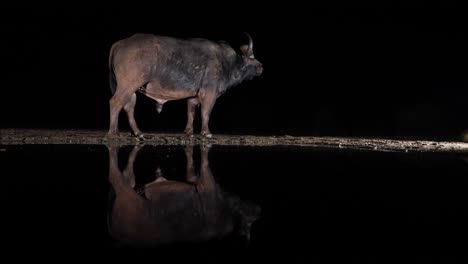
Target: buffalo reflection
166,211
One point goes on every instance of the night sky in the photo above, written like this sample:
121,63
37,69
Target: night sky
383,71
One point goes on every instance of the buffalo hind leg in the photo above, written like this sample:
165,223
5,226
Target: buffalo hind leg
192,104
129,173
130,108
207,101
116,103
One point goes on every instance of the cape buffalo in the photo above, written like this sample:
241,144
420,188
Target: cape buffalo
167,211
166,68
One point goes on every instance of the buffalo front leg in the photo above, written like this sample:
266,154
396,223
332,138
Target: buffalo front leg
206,182
190,168
130,108
206,175
192,104
207,102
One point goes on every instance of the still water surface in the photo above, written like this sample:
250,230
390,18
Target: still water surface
236,204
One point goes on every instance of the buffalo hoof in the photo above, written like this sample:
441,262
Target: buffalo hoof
189,135
140,137
207,135
206,147
188,132
114,135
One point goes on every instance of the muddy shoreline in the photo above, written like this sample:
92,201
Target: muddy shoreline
42,136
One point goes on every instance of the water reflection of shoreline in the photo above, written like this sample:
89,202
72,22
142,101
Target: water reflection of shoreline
166,211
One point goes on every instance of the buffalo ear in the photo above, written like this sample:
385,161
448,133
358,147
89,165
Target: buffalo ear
246,51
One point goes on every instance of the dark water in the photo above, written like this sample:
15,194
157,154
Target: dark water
238,204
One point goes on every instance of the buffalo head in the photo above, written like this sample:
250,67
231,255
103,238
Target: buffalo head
253,66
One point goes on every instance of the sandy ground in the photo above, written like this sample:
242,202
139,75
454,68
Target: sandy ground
37,136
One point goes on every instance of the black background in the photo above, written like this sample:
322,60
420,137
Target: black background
386,70
392,70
